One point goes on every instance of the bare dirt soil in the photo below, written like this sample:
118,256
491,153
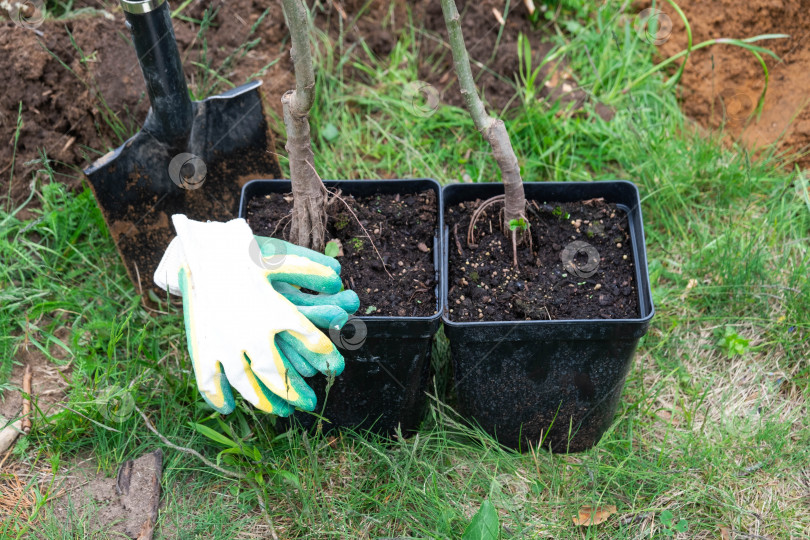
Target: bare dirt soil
721,84
400,280
485,286
72,76
123,507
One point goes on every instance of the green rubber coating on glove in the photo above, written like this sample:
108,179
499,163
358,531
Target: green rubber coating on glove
280,406
271,247
306,396
225,387
327,317
345,300
298,362
321,284
331,362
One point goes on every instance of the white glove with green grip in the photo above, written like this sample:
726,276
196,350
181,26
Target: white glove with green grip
241,330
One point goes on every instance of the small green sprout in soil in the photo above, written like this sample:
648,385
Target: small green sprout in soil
519,224
357,243
370,310
558,211
341,223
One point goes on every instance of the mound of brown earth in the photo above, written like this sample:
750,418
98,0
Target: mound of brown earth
722,83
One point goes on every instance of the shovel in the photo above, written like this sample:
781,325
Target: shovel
190,157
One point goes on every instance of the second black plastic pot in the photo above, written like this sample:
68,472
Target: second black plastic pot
552,382
387,358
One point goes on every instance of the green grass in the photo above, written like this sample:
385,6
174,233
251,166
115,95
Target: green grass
714,435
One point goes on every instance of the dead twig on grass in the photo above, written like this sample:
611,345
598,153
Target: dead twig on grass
10,432
167,442
26,405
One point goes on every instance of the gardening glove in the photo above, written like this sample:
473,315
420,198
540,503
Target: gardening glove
241,331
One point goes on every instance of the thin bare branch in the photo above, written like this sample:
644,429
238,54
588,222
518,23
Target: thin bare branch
167,442
492,129
27,397
295,13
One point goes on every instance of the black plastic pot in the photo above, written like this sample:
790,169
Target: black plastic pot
387,358
556,382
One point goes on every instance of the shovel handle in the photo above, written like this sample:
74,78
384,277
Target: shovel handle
150,23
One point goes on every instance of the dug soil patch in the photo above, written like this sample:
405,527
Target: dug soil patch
76,87
484,286
395,276
122,507
721,84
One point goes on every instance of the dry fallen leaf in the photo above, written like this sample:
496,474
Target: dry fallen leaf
725,533
589,515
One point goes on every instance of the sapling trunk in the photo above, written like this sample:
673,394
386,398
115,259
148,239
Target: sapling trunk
308,226
492,129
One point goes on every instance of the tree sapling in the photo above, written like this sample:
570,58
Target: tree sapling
494,131
308,226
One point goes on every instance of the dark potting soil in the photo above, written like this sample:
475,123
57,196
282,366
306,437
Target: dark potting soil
402,226
484,286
